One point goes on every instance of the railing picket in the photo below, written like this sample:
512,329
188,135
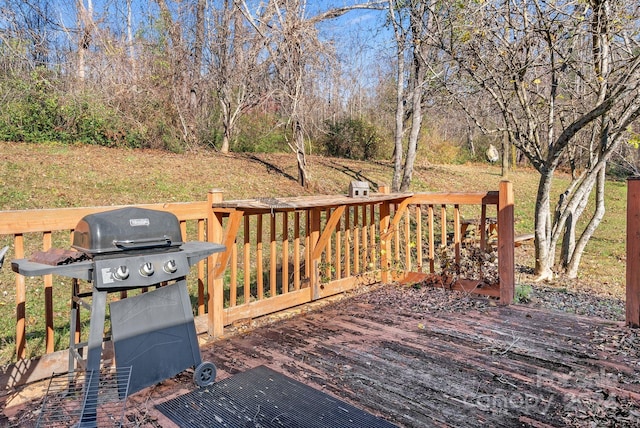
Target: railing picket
247,259
356,240
48,299
307,244
385,244
443,226
347,241
365,239
183,229
419,250
233,278
296,251
456,235
21,299
200,269
372,237
432,243
396,236
285,253
483,227
339,243
407,241
329,252
259,258
314,236
272,256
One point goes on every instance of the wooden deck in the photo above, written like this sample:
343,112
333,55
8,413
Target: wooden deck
425,357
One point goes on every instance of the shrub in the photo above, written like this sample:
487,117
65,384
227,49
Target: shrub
35,111
523,293
30,111
445,152
352,139
259,133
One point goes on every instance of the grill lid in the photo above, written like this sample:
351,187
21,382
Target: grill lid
127,229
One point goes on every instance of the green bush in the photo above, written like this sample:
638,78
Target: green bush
523,293
36,111
30,112
260,133
352,139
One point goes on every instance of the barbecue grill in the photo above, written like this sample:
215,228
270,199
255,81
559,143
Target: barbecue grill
153,333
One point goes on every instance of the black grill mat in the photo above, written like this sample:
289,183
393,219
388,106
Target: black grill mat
261,397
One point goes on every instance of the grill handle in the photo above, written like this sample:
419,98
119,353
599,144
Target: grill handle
164,241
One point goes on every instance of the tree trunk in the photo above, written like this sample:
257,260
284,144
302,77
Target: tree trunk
303,173
85,31
131,51
399,117
198,48
598,215
505,156
573,212
227,124
225,141
543,262
414,136
470,143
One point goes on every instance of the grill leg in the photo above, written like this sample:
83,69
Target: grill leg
89,414
73,326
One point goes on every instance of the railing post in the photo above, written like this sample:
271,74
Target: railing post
506,264
633,252
215,291
385,241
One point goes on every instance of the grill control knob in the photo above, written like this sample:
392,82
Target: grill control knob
170,266
121,273
146,269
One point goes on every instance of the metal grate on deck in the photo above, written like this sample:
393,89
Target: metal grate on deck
262,397
67,398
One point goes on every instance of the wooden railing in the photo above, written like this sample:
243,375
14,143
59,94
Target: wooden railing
34,230
286,252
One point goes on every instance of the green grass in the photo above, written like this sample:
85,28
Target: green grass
52,175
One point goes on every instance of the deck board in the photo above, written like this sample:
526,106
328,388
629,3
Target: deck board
416,367
427,357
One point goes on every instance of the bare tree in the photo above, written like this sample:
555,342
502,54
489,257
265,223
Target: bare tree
237,70
411,22
185,52
130,44
564,77
85,34
291,38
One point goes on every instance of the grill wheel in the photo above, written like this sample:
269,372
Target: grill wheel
205,374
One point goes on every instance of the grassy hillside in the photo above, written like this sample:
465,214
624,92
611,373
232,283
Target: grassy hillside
47,176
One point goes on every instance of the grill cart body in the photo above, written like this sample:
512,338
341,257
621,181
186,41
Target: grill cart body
153,333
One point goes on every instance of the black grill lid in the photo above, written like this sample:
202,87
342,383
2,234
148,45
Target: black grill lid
126,229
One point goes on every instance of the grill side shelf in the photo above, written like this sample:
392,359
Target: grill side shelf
79,270
197,250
